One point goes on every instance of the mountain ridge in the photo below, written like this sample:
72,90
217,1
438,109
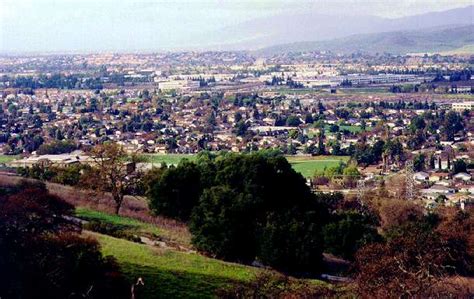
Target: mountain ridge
312,26
436,39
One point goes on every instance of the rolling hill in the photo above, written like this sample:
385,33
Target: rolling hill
439,39
288,28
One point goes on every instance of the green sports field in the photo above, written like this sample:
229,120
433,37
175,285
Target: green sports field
7,158
308,165
167,158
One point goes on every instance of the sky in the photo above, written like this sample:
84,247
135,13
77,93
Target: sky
148,25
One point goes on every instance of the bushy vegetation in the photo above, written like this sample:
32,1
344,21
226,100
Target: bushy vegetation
348,232
342,174
70,175
56,147
176,191
275,285
42,254
416,258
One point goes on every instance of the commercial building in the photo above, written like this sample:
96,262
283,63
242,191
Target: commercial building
461,106
178,85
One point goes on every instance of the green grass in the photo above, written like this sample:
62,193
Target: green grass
363,90
351,128
168,158
285,90
173,274
7,158
308,165
133,225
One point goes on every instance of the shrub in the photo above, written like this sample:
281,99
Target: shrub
56,147
417,258
42,256
349,232
274,285
114,230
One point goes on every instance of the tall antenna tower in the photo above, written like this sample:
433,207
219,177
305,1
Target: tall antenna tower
360,191
409,180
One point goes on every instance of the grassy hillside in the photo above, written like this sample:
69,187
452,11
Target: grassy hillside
465,50
136,227
399,42
173,274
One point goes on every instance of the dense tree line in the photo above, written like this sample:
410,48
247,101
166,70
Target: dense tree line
56,147
417,255
56,81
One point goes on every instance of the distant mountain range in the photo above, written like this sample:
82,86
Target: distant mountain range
398,42
305,31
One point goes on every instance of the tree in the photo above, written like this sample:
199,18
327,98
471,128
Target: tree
217,230
413,262
417,123
56,147
459,166
321,147
43,256
241,128
245,208
175,191
350,231
351,175
112,171
334,128
419,162
452,124
363,154
293,121
394,213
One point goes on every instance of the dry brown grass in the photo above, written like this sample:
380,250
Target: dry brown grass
133,207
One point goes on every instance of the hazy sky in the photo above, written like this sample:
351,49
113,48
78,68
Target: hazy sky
102,25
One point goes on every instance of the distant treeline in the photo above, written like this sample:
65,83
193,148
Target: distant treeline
59,81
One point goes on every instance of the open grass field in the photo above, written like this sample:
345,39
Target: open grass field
308,165
350,128
173,274
7,158
167,158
